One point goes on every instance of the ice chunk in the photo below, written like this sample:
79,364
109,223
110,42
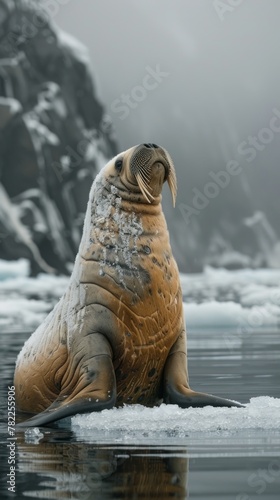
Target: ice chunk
33,435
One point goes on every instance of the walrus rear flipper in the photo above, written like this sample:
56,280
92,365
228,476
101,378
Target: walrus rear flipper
177,390
188,398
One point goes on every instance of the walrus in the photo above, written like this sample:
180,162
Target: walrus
117,336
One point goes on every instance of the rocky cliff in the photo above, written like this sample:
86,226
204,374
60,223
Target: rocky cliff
53,138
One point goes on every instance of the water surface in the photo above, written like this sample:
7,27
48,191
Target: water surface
80,463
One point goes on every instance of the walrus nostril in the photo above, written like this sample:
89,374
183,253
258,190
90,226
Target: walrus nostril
150,145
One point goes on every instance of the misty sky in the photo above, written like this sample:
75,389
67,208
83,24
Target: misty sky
219,81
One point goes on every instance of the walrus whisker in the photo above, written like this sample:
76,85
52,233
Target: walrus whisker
145,178
144,188
145,174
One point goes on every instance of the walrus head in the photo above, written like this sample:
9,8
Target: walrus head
144,169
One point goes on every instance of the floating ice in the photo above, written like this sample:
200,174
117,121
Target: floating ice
33,435
138,423
232,299
214,299
215,314
223,285
13,269
44,287
25,301
23,313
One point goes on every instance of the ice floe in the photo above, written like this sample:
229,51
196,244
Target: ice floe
169,421
22,313
231,315
216,298
13,269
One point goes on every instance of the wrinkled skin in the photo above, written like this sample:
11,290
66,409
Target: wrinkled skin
118,333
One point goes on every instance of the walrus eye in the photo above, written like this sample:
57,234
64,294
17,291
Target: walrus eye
118,164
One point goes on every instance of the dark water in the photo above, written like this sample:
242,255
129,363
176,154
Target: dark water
240,466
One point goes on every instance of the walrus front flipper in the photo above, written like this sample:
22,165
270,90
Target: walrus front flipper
177,390
89,383
60,410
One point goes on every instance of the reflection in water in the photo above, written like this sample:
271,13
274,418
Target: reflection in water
80,471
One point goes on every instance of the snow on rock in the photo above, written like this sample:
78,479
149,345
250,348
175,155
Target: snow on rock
138,422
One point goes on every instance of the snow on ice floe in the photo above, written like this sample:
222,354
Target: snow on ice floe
138,423
215,298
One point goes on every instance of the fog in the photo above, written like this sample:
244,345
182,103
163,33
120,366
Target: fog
216,88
